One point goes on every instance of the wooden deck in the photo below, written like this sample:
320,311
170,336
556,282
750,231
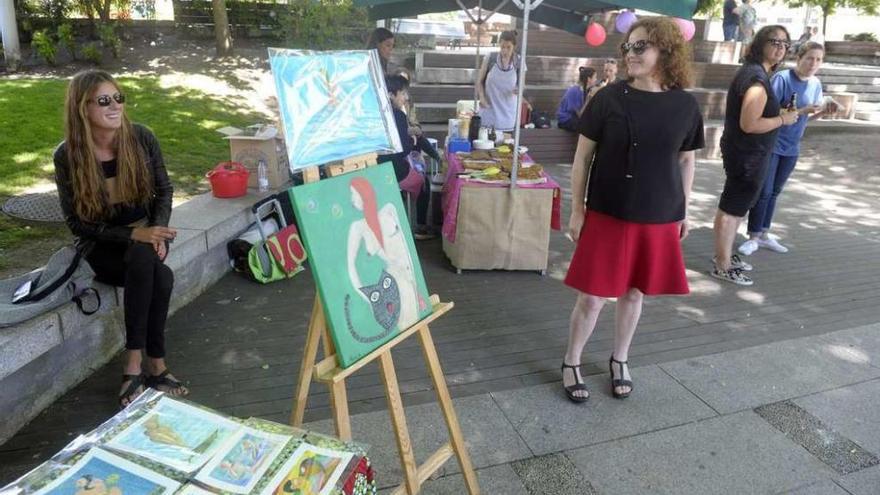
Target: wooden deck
239,344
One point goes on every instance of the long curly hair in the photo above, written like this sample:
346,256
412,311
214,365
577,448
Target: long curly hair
133,181
674,68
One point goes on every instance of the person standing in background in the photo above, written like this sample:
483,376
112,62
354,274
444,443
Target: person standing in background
382,40
748,19
730,20
498,85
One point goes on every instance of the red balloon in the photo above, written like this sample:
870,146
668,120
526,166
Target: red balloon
595,34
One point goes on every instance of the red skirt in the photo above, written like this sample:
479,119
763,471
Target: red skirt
614,255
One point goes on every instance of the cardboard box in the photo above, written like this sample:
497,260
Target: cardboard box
258,142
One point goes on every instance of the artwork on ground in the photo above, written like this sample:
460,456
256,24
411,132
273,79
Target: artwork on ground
175,434
190,489
334,105
363,258
311,470
242,461
99,472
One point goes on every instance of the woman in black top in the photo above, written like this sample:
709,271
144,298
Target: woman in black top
751,120
116,199
637,146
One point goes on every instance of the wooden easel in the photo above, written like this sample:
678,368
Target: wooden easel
328,371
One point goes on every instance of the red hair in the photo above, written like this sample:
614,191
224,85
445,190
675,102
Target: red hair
371,212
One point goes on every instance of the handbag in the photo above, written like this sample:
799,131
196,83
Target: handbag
277,255
64,278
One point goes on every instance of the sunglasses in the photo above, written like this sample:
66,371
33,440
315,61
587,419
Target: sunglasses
104,100
779,43
637,47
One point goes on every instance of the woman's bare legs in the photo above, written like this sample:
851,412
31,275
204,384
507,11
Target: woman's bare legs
629,310
582,323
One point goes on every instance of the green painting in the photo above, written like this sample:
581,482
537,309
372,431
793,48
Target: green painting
363,258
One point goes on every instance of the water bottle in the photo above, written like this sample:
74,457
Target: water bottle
262,176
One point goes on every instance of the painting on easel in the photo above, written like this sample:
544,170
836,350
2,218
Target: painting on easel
363,258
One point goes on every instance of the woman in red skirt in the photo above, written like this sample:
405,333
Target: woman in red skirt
637,147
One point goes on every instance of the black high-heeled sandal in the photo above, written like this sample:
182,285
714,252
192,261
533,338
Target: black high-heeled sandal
619,382
577,387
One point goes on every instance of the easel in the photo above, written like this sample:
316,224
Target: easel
328,371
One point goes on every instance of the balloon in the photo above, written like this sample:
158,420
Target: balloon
686,26
624,20
595,34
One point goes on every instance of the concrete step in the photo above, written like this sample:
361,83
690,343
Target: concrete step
868,116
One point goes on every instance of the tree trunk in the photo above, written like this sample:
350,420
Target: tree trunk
11,48
221,29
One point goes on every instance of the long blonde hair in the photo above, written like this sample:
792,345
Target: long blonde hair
133,179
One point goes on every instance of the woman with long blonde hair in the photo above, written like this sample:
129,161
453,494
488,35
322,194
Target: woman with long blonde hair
116,198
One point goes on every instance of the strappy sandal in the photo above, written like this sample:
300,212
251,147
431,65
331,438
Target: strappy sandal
133,390
577,387
164,383
619,382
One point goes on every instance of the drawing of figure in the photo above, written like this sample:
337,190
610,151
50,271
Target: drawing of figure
90,485
309,476
394,298
160,433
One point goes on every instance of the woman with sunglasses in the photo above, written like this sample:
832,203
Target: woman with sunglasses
637,145
751,120
802,84
116,199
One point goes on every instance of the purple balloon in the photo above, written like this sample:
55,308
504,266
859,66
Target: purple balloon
624,20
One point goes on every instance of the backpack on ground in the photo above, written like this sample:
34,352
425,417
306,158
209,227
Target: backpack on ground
271,249
64,278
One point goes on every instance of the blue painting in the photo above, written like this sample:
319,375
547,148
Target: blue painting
243,460
100,472
334,105
176,434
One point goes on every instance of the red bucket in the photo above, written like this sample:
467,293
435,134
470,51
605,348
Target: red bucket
228,180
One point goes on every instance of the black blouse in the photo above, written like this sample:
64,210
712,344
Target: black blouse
734,142
635,174
115,228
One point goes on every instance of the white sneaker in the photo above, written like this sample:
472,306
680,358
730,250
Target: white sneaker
772,245
748,247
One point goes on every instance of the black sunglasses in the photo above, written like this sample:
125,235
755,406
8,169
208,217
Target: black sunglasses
637,47
104,100
779,43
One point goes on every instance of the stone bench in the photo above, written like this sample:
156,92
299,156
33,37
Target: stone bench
48,355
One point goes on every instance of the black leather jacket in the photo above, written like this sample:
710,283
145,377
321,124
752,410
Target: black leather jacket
158,210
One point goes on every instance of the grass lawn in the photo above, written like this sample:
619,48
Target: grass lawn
184,119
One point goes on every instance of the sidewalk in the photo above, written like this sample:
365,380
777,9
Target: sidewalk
798,416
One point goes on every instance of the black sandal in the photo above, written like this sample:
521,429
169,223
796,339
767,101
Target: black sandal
133,390
577,387
170,385
619,382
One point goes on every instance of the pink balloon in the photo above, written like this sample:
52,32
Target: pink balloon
595,34
686,26
624,20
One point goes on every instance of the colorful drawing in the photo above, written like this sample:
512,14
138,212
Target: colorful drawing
176,434
242,461
363,258
333,104
102,473
190,489
310,470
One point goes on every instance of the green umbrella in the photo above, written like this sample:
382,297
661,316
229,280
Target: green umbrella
569,15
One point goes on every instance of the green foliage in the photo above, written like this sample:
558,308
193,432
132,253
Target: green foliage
861,37
709,8
92,53
326,25
829,7
109,38
66,38
43,43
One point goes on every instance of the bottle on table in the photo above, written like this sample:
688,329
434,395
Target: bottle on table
262,176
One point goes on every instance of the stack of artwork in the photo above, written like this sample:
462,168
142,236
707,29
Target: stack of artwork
178,448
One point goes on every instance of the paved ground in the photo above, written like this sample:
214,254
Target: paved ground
739,390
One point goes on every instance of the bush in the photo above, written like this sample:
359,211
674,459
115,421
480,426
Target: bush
66,39
861,37
43,43
109,38
92,53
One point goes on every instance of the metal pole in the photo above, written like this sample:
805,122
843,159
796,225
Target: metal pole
478,62
9,32
527,8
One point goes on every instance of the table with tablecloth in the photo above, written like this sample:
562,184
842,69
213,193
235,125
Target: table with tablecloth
491,226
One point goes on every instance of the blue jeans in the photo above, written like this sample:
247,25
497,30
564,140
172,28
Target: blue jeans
729,32
778,170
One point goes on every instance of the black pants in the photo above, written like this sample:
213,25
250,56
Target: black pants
147,282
